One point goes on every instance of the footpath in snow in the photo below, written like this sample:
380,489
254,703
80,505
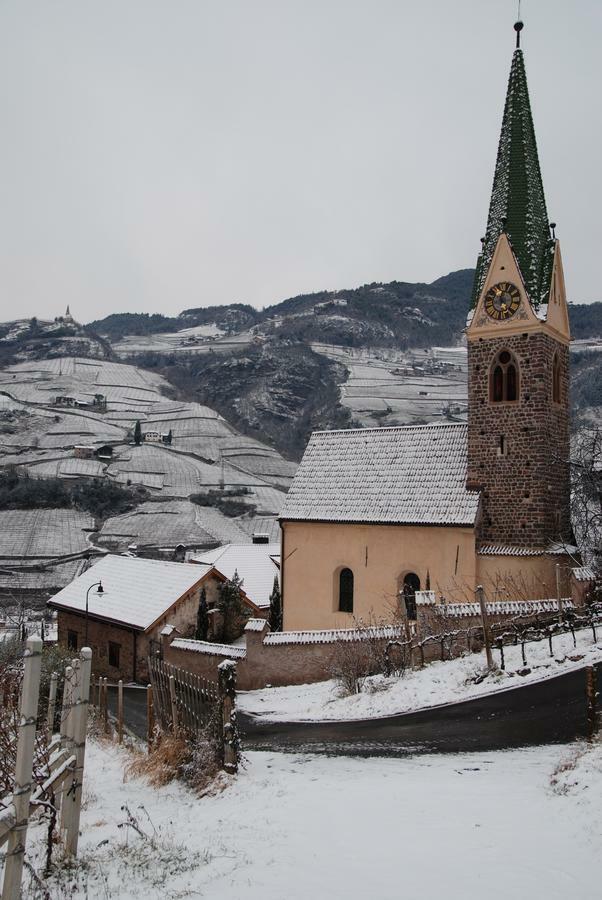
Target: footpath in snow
437,683
496,825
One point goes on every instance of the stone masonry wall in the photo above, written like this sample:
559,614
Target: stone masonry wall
525,499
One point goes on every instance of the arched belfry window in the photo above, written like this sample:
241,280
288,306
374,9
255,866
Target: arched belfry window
504,378
556,394
346,591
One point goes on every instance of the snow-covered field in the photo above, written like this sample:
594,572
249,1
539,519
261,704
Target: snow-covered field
496,825
437,683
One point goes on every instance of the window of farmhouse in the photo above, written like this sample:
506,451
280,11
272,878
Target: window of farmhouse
346,591
114,654
72,640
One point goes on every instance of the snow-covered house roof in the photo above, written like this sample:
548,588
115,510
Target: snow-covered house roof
254,564
405,475
136,592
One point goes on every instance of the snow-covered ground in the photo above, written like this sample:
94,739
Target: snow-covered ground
437,683
495,825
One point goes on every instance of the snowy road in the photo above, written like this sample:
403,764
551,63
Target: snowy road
550,711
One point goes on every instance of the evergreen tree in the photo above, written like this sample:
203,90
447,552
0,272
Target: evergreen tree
169,437
138,433
275,615
231,607
202,618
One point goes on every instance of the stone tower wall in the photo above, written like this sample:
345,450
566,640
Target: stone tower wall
525,499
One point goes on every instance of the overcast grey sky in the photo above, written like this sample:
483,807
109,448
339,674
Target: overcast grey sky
162,154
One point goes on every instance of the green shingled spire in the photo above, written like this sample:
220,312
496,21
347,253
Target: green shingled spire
518,204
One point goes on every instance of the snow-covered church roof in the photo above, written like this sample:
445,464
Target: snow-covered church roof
405,475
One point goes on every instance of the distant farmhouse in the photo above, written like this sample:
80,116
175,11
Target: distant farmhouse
378,514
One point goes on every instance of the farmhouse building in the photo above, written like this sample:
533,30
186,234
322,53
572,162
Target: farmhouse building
139,598
377,514
256,564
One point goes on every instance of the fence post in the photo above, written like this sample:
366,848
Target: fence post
80,724
227,691
485,620
559,593
105,704
74,694
120,710
150,717
174,705
28,708
592,696
52,703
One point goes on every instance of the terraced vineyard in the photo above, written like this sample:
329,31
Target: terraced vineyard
73,418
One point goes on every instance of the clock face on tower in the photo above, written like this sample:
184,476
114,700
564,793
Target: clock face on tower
502,300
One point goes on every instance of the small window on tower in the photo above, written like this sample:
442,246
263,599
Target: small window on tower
504,378
556,379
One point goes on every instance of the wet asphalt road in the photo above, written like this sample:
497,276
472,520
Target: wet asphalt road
551,711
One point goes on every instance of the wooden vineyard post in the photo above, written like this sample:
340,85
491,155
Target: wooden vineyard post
227,694
592,697
73,799
52,703
174,704
485,620
69,742
105,704
28,708
150,717
120,710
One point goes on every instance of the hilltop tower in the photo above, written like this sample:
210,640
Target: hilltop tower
518,348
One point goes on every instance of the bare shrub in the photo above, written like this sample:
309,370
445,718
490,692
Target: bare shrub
194,760
352,661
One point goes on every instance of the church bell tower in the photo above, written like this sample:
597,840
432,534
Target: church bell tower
518,348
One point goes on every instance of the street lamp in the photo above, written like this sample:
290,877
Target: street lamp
99,590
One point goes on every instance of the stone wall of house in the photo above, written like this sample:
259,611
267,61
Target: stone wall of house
525,498
99,636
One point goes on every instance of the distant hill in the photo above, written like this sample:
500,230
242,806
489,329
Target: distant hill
30,339
396,314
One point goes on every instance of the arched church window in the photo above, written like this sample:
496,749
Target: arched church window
346,591
504,380
411,584
556,379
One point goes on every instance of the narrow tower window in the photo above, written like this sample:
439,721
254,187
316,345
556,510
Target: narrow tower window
556,379
504,379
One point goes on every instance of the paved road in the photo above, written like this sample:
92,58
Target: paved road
550,711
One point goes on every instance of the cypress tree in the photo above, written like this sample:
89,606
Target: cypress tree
275,615
138,433
202,618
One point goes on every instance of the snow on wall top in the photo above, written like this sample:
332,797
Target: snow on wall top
412,474
502,607
137,592
210,648
255,625
332,635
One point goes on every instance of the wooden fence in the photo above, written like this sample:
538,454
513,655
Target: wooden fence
61,788
187,702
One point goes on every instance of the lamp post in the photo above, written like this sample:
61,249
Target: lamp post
99,590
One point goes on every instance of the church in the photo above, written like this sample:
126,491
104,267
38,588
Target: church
379,513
